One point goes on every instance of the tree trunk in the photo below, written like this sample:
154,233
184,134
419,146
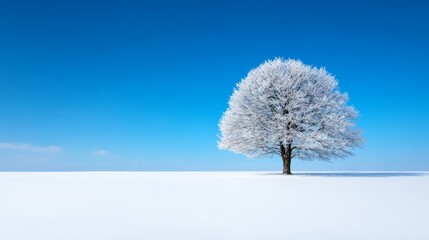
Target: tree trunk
286,154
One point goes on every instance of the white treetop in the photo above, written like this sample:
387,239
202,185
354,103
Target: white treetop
286,102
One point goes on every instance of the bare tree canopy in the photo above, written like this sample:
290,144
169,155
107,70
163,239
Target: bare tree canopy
291,109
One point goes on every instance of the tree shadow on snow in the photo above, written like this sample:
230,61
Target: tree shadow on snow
354,174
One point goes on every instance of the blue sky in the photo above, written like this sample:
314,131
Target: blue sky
121,85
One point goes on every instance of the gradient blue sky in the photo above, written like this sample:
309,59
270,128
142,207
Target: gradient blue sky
121,85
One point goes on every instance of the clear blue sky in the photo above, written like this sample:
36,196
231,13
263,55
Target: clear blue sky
118,85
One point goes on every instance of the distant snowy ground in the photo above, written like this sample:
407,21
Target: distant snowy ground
214,205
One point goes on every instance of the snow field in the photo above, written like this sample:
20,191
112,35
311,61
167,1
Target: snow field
213,205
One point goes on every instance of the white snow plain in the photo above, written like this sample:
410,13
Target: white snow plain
213,205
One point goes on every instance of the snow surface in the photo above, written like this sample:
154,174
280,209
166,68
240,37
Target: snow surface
214,205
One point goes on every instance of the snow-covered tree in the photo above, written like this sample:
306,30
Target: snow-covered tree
287,108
